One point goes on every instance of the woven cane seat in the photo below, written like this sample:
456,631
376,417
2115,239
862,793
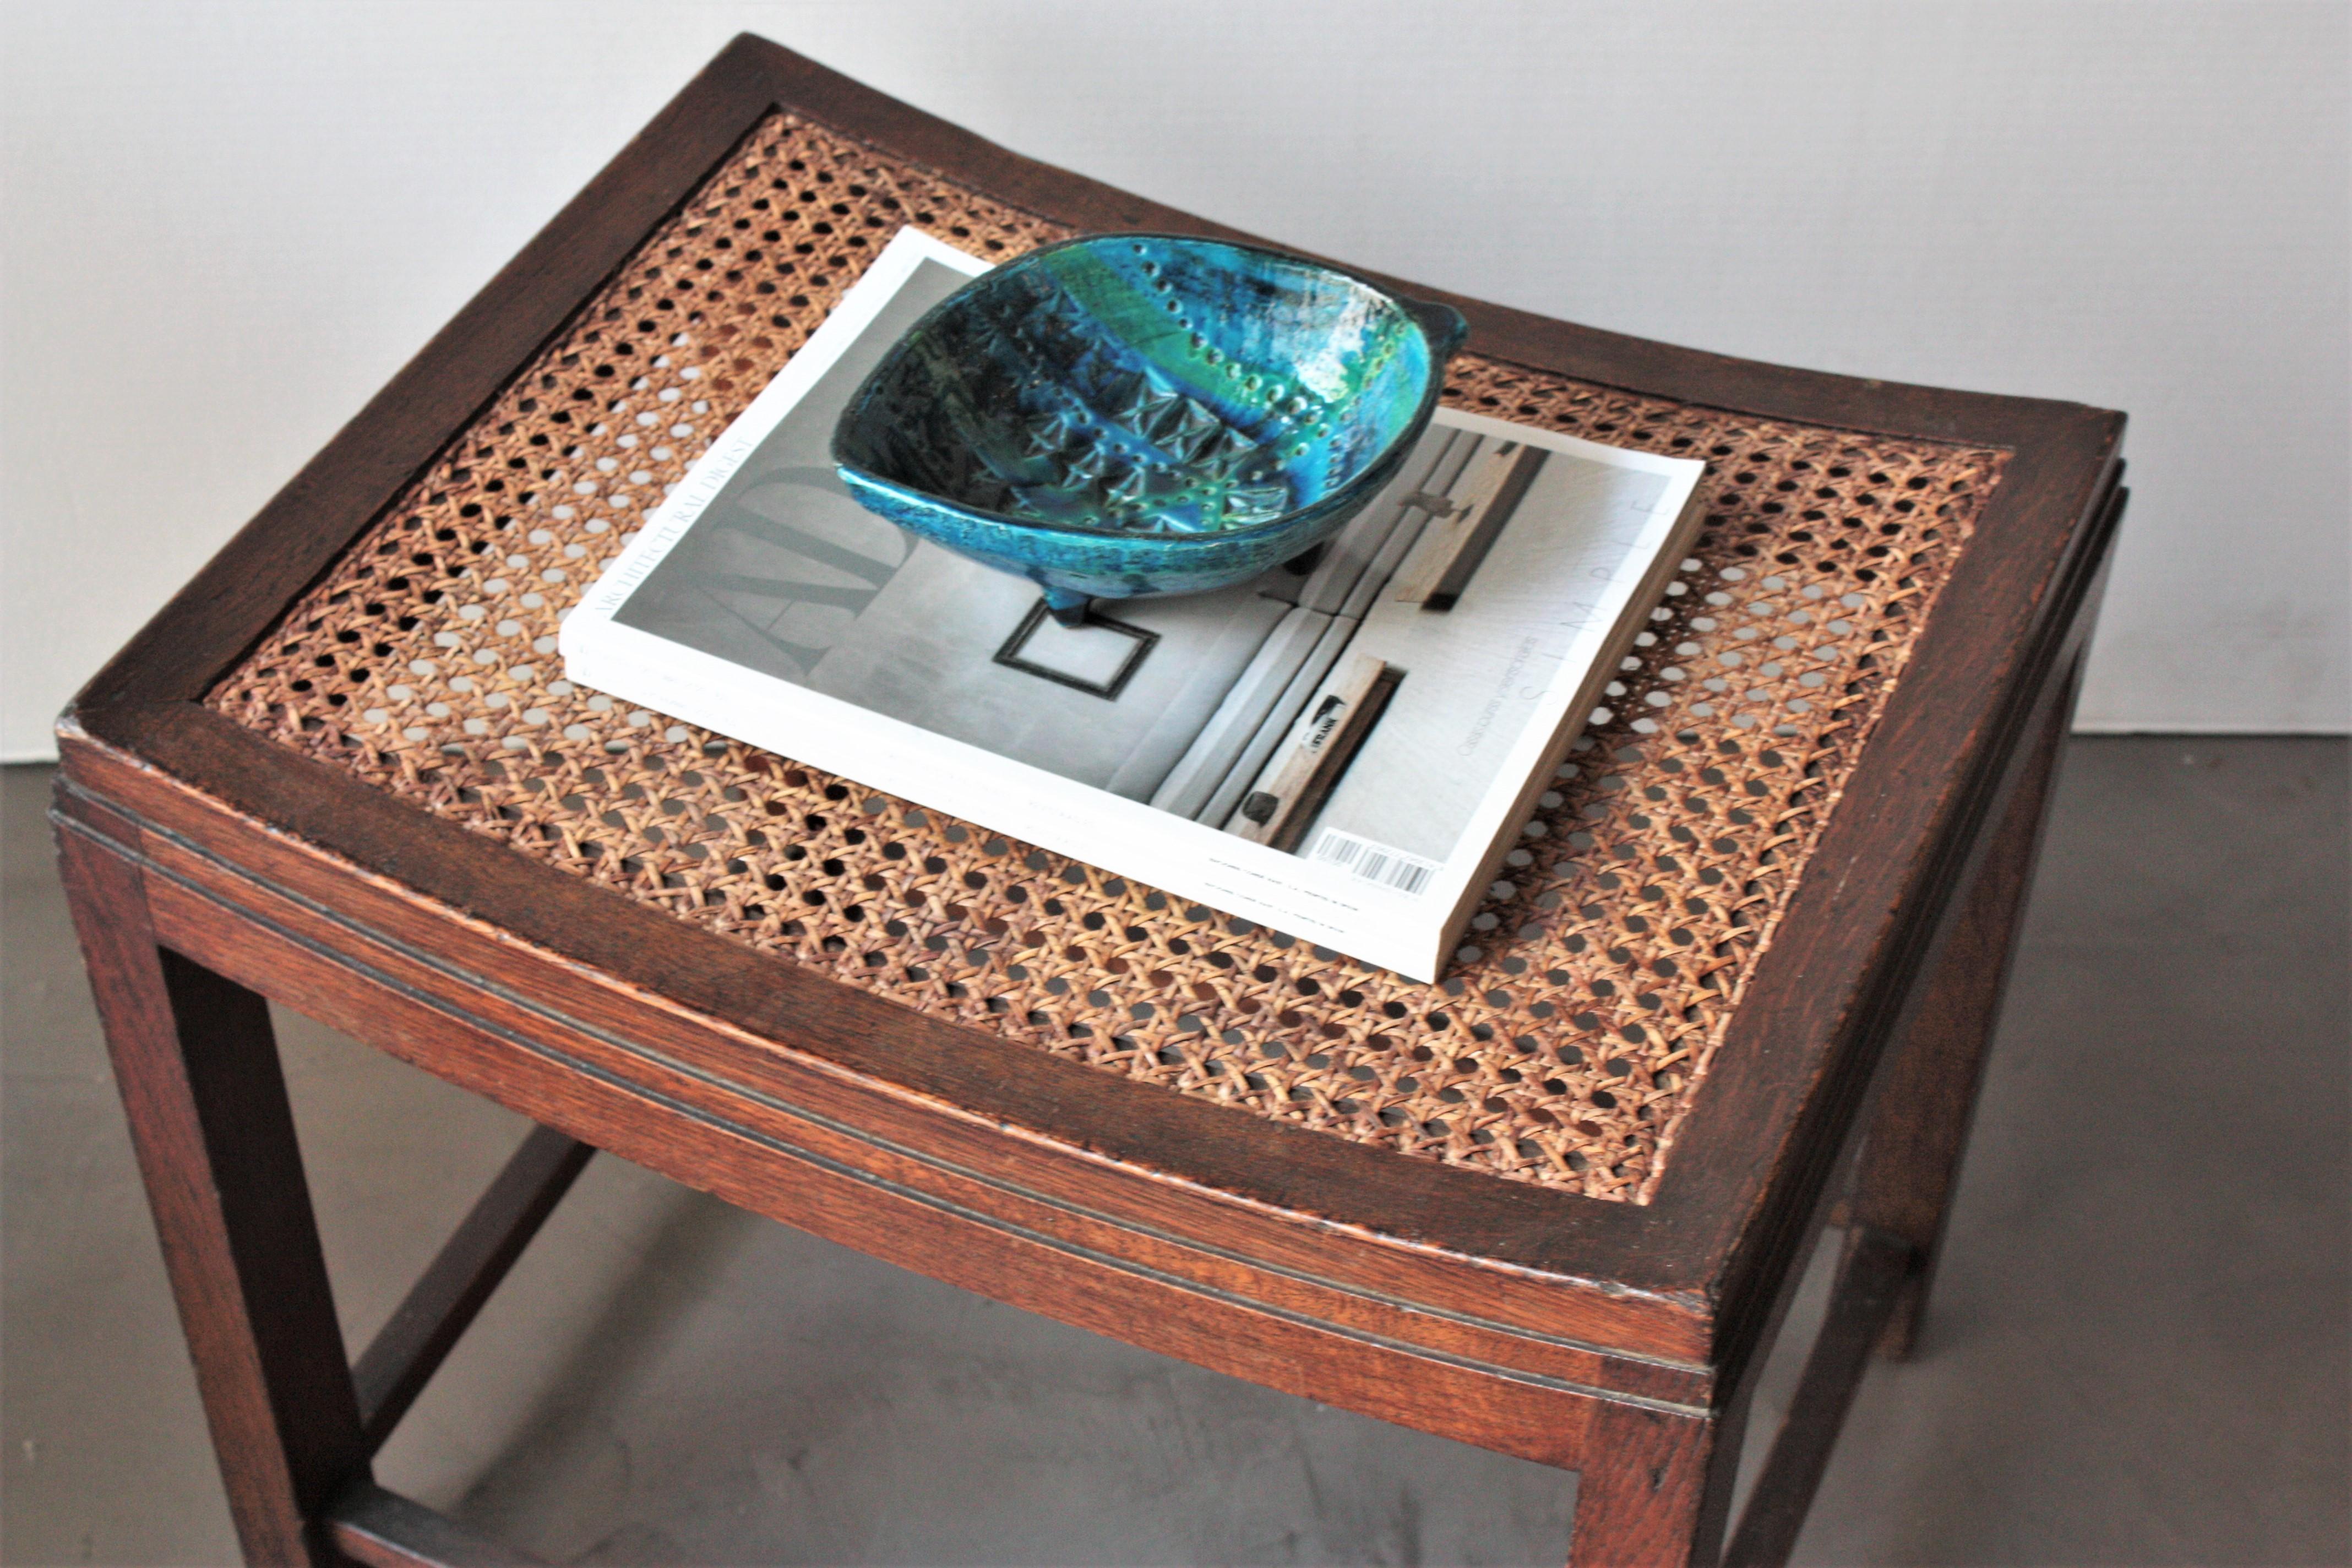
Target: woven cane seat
1564,1045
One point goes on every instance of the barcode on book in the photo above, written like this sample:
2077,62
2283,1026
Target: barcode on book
1373,862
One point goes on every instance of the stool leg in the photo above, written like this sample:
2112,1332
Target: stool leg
1910,1158
198,1071
1654,1490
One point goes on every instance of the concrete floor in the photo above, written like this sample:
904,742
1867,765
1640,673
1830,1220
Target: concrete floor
2137,1355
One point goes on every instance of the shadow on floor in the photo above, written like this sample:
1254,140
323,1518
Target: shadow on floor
2138,1354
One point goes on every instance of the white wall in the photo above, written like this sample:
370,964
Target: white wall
226,224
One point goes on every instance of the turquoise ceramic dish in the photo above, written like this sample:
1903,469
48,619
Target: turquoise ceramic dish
1133,414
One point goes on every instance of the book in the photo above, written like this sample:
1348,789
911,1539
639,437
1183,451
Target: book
1346,749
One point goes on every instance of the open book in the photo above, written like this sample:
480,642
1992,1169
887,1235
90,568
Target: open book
1346,749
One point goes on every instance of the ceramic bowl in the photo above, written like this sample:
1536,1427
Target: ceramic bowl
1133,414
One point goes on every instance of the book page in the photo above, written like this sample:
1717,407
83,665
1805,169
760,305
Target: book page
1202,743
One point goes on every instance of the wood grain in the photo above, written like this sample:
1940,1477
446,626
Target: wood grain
1615,1337
1870,1278
1317,753
442,1305
385,1530
197,1068
1449,553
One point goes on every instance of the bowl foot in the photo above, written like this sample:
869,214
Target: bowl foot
1303,564
1067,608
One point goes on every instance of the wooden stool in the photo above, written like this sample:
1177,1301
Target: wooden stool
1737,985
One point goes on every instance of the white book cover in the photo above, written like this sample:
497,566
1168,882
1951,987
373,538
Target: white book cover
1344,748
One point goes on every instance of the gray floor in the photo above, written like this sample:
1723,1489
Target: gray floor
2139,1353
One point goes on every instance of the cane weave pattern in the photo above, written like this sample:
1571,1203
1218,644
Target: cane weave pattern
1565,1043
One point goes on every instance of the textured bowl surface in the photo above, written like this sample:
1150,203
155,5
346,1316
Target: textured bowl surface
1140,414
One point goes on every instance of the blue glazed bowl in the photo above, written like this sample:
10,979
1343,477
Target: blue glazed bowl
1134,414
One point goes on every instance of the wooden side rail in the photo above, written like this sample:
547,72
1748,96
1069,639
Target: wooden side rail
385,1530
1869,1284
217,858
443,1303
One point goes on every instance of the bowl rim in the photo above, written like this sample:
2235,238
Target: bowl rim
1421,313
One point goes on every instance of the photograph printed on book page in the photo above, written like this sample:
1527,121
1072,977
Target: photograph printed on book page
1342,749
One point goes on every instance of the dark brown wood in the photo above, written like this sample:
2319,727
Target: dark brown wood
1652,1497
1615,359
1926,1101
1588,1334
1725,1218
1870,1278
1858,932
441,1306
198,1072
1249,1314
385,1530
917,1084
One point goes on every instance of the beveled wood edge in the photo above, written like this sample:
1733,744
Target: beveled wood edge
760,1162
2035,514
381,1529
852,109
1869,1281
1654,1347
1749,1326
1819,987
